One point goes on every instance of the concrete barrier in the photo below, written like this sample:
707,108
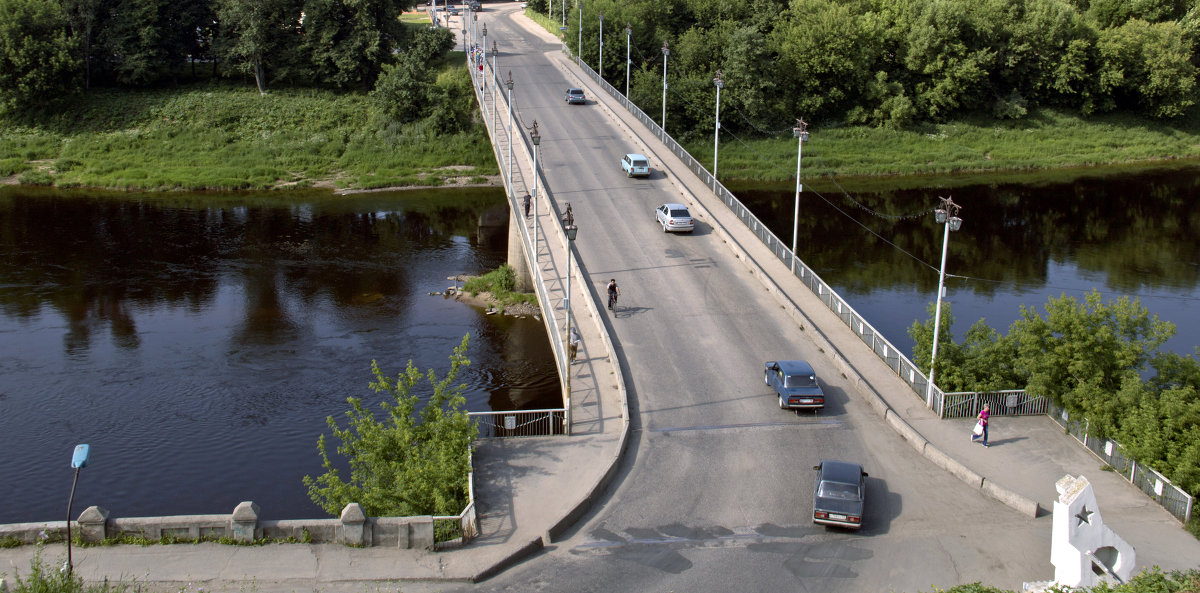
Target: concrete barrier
905,430
957,469
1026,506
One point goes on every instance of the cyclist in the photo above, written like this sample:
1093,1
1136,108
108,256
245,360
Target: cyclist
614,292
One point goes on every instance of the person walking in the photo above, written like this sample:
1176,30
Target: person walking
573,343
528,198
983,416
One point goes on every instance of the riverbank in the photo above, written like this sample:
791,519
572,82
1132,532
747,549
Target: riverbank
222,137
1047,145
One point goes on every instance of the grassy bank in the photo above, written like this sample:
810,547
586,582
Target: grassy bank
226,137
1045,141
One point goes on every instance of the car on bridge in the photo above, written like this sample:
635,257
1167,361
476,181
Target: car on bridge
635,165
674,218
795,383
839,494
576,97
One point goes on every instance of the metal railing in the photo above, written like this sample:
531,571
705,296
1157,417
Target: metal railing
528,422
460,528
520,423
1014,402
1171,497
1009,402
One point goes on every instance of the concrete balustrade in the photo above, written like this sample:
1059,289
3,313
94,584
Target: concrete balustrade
352,528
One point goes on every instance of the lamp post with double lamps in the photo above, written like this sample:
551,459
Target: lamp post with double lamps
509,84
717,126
666,52
571,231
536,139
801,133
948,216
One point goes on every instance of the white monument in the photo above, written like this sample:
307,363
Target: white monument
1083,550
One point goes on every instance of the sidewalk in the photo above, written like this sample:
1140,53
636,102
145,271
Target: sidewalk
1027,454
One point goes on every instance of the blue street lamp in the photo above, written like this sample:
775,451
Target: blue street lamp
79,460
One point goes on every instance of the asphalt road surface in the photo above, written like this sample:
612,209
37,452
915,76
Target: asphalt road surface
714,493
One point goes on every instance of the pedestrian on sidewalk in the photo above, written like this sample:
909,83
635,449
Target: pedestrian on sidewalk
983,423
528,198
573,343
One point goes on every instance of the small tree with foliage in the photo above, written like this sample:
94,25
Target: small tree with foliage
407,463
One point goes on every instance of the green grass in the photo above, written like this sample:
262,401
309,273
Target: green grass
1046,140
500,283
221,137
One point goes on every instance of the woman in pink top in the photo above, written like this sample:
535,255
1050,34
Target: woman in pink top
983,420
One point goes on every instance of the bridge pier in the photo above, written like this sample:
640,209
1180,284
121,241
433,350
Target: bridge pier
516,253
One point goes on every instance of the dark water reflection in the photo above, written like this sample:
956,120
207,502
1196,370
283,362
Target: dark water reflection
198,342
1133,235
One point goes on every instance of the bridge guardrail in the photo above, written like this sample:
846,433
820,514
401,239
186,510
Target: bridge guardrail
531,422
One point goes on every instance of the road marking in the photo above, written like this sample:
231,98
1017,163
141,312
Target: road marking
820,423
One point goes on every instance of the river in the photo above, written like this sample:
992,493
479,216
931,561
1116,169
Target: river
197,342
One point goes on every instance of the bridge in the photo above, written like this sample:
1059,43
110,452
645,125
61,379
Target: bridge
710,460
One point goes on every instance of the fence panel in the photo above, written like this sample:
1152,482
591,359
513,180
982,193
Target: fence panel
520,423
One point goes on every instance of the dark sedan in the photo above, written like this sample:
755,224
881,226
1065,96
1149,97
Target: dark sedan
840,494
795,384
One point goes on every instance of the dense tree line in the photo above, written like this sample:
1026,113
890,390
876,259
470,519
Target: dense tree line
1092,359
51,48
894,62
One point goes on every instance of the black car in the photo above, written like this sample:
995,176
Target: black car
840,494
576,97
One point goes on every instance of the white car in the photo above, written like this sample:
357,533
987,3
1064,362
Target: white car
675,218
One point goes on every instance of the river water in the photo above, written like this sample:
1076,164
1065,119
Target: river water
197,342
1133,234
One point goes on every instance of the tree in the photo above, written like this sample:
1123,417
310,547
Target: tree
260,32
405,464
36,53
1147,67
349,41
1083,355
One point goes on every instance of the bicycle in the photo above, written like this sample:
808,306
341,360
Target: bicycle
612,302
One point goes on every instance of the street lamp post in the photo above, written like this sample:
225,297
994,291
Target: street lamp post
579,48
509,84
601,44
496,83
571,231
628,63
564,14
483,66
717,127
948,216
666,52
79,460
536,138
463,31
801,133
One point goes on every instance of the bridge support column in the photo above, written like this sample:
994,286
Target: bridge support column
516,254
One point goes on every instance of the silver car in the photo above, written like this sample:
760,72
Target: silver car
674,218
